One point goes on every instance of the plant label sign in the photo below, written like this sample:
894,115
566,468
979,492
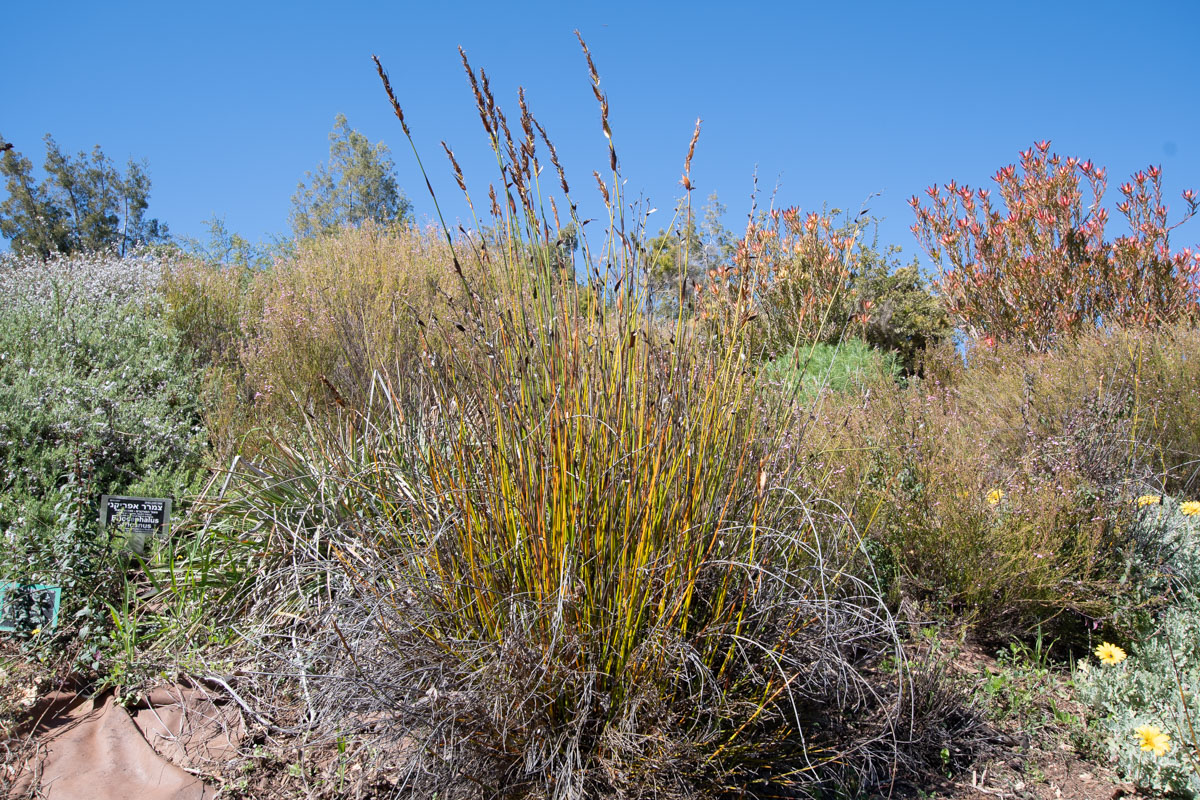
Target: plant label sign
28,607
137,517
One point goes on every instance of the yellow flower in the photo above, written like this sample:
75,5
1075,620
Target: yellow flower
1109,653
36,631
994,497
1191,508
1149,500
1151,738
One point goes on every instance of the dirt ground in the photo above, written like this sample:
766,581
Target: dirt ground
1046,755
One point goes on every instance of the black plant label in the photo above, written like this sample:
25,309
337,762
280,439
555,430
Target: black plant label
136,518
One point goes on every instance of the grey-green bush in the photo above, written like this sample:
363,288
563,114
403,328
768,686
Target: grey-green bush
1156,685
96,397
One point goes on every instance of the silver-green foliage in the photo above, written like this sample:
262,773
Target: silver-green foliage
845,366
95,397
1157,684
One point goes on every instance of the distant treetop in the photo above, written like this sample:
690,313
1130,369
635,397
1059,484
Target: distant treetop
356,185
84,204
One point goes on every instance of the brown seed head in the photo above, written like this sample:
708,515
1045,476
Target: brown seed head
562,176
487,92
458,173
603,188
687,162
496,212
479,101
387,87
591,65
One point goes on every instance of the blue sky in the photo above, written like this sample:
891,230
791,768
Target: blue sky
230,103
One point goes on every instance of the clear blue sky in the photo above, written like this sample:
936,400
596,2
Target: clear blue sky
230,103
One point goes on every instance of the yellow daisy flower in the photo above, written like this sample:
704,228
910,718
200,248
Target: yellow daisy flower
1149,500
994,497
1191,508
1153,739
1109,653
36,631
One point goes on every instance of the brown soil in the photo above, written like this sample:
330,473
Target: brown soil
1046,756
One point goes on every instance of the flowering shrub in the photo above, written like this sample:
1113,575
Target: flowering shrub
1146,704
83,277
95,397
1039,267
982,529
791,271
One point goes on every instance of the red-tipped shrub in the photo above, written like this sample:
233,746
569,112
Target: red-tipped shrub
1039,267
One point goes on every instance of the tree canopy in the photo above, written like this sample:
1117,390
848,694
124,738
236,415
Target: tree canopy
84,203
688,251
356,185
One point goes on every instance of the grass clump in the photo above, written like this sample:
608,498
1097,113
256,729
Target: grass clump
561,552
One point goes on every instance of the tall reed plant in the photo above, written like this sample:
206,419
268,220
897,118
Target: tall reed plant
564,557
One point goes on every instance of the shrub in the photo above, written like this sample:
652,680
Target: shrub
801,280
849,365
897,312
990,535
1155,686
96,397
1040,268
206,303
1122,403
346,306
1062,435
790,275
